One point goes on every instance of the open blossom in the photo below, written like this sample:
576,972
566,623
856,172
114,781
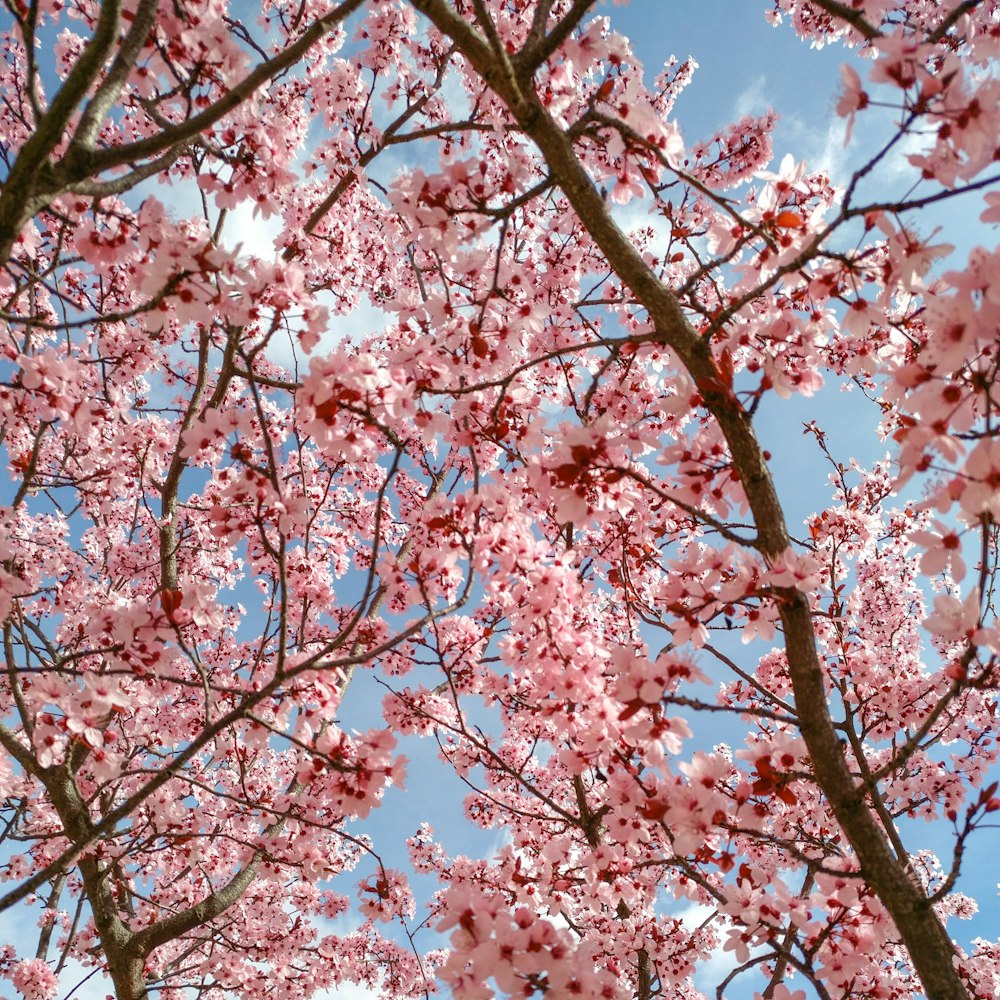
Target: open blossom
387,895
853,99
992,212
790,569
35,979
981,495
955,618
944,551
102,693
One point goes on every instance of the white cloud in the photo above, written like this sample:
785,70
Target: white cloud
719,964
753,98
637,215
693,915
896,167
360,322
253,236
832,155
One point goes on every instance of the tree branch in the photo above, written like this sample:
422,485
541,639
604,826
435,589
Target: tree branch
930,948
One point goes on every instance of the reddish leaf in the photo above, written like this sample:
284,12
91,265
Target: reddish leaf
789,220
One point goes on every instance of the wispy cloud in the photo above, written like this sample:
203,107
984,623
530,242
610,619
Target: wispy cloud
753,98
254,236
720,963
821,144
832,157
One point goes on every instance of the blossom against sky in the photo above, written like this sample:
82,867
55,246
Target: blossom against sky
580,478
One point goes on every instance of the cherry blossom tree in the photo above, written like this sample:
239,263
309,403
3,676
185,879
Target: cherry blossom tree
528,498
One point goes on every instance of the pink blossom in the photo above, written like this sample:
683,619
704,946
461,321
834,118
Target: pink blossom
853,99
981,493
954,618
943,553
430,461
992,212
34,979
790,569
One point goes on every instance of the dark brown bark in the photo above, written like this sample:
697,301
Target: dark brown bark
34,180
125,966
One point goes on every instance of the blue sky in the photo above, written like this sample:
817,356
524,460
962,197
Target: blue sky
745,64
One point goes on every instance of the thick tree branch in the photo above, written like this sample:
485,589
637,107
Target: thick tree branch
931,950
111,86
843,12
33,183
